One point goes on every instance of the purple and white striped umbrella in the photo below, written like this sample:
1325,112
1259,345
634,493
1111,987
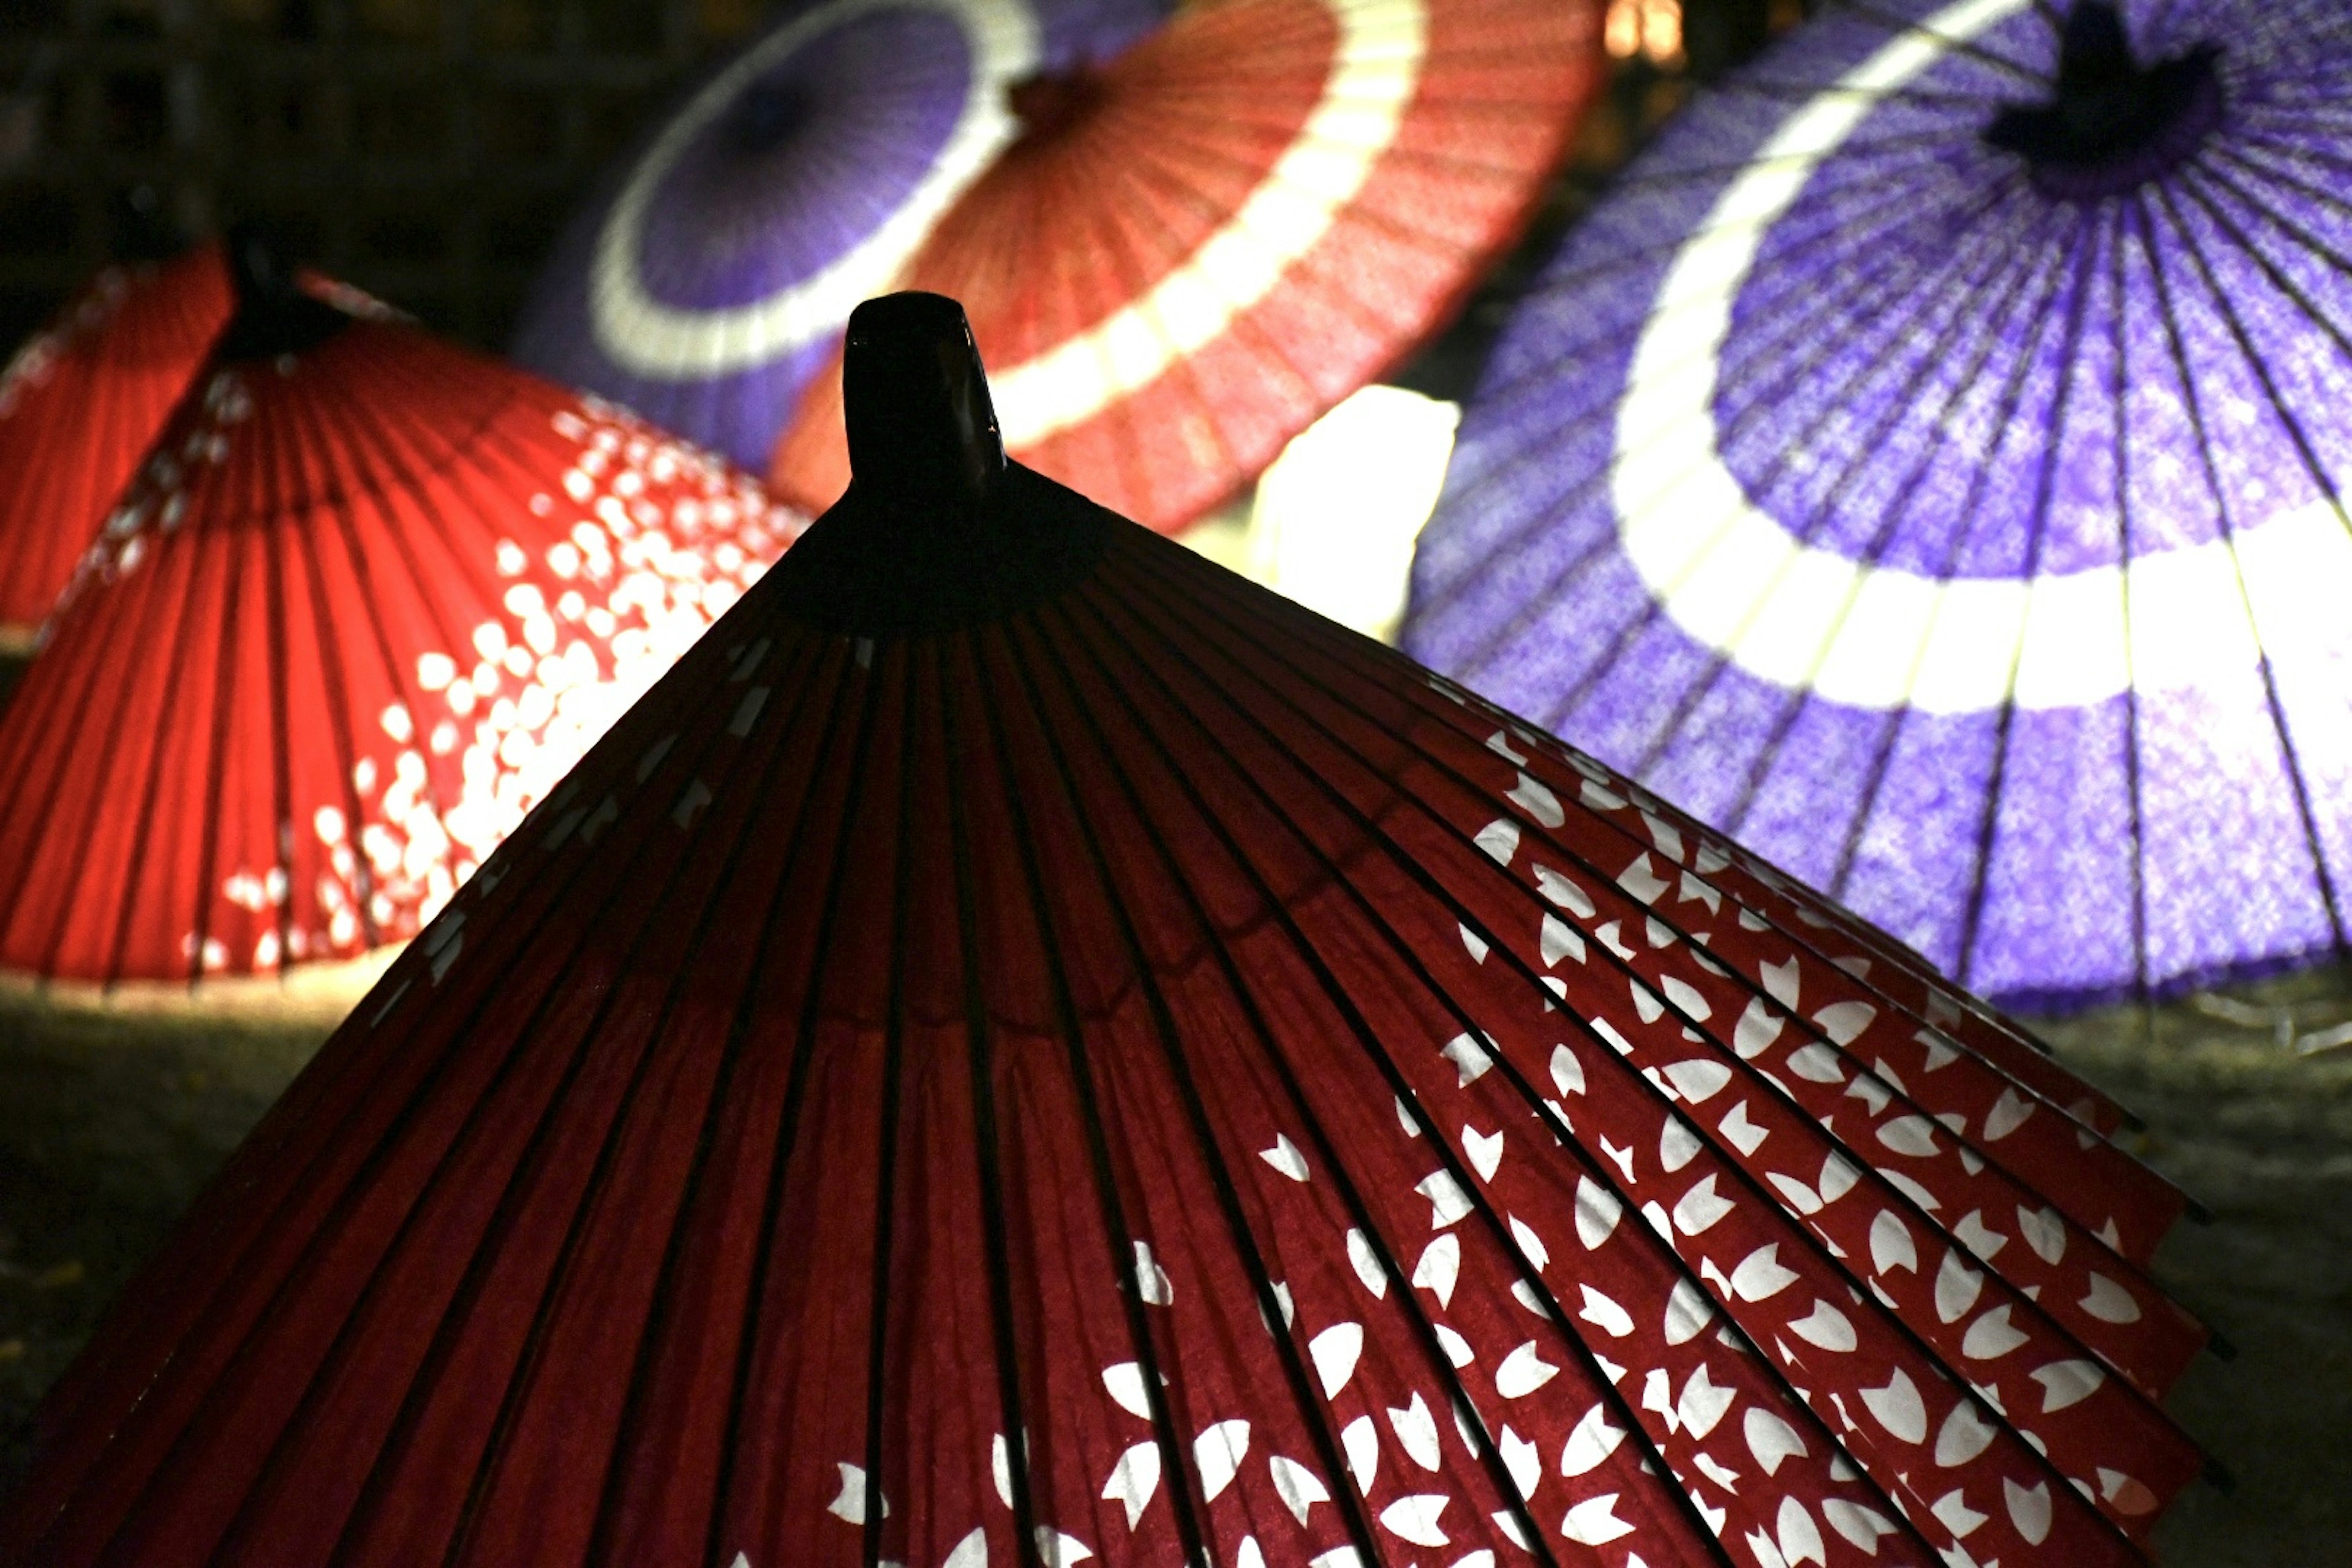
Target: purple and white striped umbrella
713,274
1928,467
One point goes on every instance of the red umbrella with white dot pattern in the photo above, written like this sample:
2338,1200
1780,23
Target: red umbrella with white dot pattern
1027,1049
366,599
80,405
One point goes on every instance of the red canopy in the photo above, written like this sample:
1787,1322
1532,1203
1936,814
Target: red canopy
367,599
1196,250
1024,1048
79,406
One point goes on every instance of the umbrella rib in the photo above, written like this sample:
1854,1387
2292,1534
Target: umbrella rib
1124,1259
1892,725
1890,213
732,1050
224,709
2118,393
344,738
2205,456
117,726
1768,755
373,1494
1377,1055
980,1045
2045,481
1758,403
1798,941
1822,514
342,434
248,1347
1534,1101
1971,510
2237,153
1175,594
2295,294
1760,406
282,830
1577,859
329,1142
894,1046
721,1101
339,435
804,1045
1171,1043
1969,46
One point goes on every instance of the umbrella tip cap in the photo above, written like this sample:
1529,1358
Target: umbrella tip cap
916,401
257,262
275,314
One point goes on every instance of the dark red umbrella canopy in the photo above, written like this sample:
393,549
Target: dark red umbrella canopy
79,406
366,600
1024,1048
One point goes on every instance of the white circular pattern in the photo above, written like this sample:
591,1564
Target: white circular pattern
1375,71
1880,637
648,337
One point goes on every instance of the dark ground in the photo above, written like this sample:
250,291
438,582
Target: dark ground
108,1124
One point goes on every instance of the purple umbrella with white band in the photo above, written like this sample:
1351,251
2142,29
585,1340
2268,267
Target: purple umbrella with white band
712,277
1928,467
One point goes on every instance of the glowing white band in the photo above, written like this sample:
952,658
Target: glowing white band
1879,638
1375,71
643,335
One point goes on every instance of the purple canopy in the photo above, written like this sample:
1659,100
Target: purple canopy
712,275
1926,467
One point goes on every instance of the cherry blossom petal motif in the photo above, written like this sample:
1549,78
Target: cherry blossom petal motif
1199,248
770,1184
1938,487
367,600
711,279
80,405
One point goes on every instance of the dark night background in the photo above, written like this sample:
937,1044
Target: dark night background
429,151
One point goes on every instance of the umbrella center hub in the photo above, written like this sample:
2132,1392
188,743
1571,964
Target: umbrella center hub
2111,124
1049,104
766,116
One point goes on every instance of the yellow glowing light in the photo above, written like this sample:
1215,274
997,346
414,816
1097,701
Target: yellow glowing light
1650,28
1336,516
1621,32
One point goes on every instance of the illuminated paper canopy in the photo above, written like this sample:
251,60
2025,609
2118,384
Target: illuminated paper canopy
367,599
80,403
1926,467
712,277
1025,1048
1198,248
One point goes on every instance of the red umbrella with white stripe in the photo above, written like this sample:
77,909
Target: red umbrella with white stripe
80,403
364,602
1024,1048
1194,251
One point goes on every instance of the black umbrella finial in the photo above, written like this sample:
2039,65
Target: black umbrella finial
937,528
921,425
2110,124
275,315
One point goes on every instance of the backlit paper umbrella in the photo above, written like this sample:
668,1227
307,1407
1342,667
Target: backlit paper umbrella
1198,248
1024,1048
1928,467
79,406
711,279
367,600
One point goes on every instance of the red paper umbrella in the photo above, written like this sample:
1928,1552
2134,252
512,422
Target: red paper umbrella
1026,1050
1195,251
79,406
368,597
